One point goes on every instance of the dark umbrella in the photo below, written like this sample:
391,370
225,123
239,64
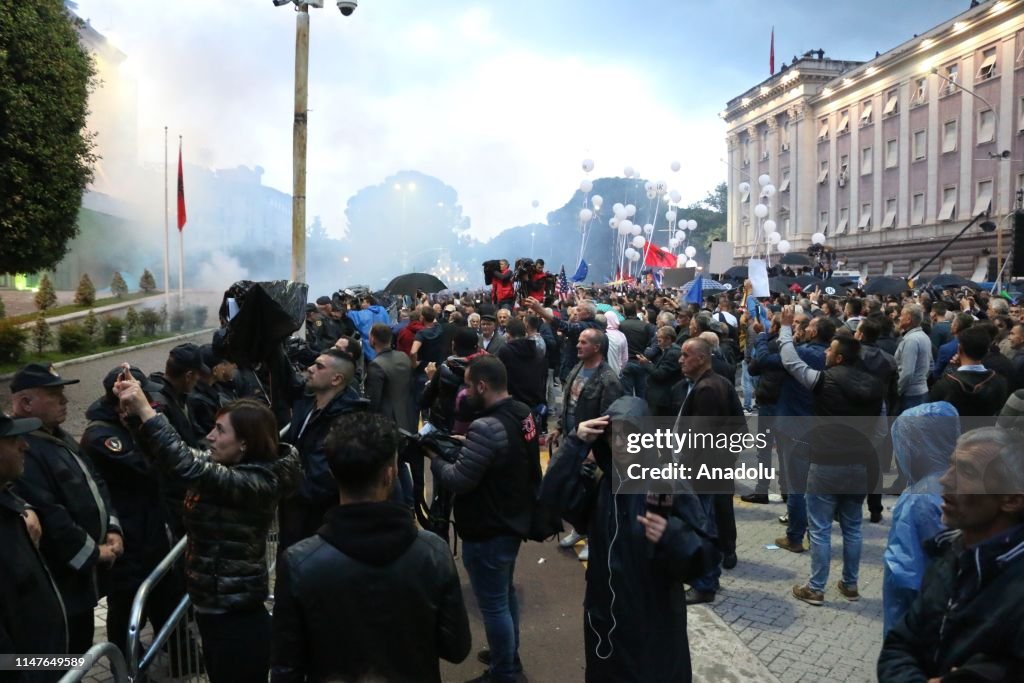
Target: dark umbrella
411,282
736,273
949,281
794,259
833,287
886,286
780,284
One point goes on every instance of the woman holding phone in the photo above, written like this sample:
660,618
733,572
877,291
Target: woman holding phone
231,500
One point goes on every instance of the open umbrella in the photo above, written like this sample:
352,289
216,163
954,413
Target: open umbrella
780,284
411,282
805,280
831,287
736,273
707,285
949,281
794,259
886,286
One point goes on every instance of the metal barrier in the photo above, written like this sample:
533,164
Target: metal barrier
117,666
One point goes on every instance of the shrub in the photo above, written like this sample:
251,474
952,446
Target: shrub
46,297
12,343
118,287
199,315
42,335
146,283
91,325
113,328
73,338
131,323
3,309
177,320
85,295
149,320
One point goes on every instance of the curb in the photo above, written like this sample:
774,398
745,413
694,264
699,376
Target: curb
109,308
118,351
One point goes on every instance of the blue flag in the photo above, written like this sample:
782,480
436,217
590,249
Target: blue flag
696,293
581,272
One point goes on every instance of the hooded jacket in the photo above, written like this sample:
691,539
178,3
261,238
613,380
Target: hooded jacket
923,438
618,346
407,336
369,597
363,320
974,393
527,370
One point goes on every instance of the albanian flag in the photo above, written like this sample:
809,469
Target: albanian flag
659,258
182,218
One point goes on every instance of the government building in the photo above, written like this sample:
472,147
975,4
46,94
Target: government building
892,157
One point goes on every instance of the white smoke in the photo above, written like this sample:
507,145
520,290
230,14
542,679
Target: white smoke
218,272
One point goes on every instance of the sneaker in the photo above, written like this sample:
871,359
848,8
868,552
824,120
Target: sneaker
696,597
850,594
784,543
811,597
876,517
584,554
570,540
758,498
784,519
776,498
729,561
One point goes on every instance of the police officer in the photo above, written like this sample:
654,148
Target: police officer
81,532
181,374
214,390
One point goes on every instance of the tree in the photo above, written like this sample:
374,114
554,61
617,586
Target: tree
85,295
45,79
118,287
146,283
3,309
91,326
132,324
46,297
42,335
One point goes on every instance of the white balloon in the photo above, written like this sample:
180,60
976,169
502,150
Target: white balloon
681,261
638,242
586,215
596,201
691,264
586,186
764,179
623,230
818,238
760,210
617,206
648,229
620,211
651,194
588,165
661,187
673,243
670,216
628,171
626,223
635,230
768,190
649,186
629,252
630,210
690,251
680,235
783,246
675,196
613,222
769,225
744,187
675,166
635,256
691,224
774,238
535,203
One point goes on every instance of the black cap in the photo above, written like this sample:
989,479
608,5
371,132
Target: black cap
210,357
323,301
35,375
10,426
189,357
115,374
488,316
311,308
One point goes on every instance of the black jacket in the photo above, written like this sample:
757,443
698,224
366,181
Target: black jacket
496,474
638,335
662,374
883,366
228,514
136,492
973,393
203,403
175,407
32,619
969,615
369,597
599,392
75,512
527,371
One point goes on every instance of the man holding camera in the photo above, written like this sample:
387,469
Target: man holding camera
503,291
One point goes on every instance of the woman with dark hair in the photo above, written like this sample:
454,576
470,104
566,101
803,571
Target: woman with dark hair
233,492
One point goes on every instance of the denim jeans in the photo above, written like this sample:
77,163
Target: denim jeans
713,505
796,506
908,402
766,424
634,379
749,384
490,565
825,484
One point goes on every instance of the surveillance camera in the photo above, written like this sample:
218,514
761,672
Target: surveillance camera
347,7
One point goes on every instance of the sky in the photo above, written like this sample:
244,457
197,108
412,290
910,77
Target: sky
501,100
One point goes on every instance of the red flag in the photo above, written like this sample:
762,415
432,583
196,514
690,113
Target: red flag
182,218
771,54
659,258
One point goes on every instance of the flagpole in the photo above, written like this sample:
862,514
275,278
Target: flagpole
167,234
181,252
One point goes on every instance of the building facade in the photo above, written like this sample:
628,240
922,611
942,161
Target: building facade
891,157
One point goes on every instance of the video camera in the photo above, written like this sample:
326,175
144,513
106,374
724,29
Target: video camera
435,440
490,267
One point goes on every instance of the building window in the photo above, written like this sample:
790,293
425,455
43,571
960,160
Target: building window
865,113
888,268
844,219
784,137
920,95
865,217
784,185
866,161
952,78
744,196
1020,182
785,226
987,69
920,148
1020,115
823,172
889,220
823,129
949,136
892,103
823,222
746,151
986,126
948,203
917,209
892,155
947,266
980,273
983,197
844,122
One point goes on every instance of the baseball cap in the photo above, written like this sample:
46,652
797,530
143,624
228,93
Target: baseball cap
450,308
35,375
189,357
10,426
323,301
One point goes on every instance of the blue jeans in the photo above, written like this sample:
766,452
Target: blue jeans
908,402
749,383
824,484
709,582
796,507
634,379
490,565
766,421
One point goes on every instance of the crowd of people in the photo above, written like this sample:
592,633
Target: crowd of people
200,450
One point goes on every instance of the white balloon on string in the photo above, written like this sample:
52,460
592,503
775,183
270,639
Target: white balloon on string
675,196
586,185
596,201
760,210
764,179
690,251
670,216
628,172
636,229
744,187
586,215
613,222
691,224
673,243
535,203
680,235
651,194
675,166
818,238
681,261
691,264
783,246
623,230
638,242
774,238
626,223
630,210
769,225
588,165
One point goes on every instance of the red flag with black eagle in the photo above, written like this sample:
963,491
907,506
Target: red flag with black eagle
182,218
771,54
659,258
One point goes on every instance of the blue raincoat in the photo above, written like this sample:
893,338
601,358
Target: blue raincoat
364,320
923,439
